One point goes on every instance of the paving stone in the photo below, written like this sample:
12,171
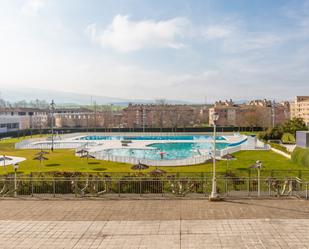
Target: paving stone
154,224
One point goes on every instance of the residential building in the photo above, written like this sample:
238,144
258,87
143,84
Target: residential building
164,115
259,113
87,118
300,108
76,117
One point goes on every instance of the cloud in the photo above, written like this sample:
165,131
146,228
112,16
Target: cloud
233,36
248,41
32,7
216,31
125,35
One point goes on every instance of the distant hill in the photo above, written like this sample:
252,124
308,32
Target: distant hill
68,98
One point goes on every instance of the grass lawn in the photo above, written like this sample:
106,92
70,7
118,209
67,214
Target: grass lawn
65,160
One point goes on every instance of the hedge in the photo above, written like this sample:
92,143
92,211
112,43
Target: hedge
301,156
279,147
288,138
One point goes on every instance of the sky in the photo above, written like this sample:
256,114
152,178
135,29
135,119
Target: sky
201,50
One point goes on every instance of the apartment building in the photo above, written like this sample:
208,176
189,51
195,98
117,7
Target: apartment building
300,108
76,117
84,118
164,115
259,113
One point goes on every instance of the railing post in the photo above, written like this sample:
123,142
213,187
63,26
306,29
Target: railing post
226,187
306,191
31,180
140,186
97,179
118,188
75,186
269,187
54,187
248,185
162,184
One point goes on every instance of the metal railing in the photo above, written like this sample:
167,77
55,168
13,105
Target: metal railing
171,186
44,144
133,160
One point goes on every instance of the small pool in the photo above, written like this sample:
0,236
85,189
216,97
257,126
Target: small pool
180,137
166,151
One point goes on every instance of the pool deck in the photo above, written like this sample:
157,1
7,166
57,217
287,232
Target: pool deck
13,160
171,224
134,144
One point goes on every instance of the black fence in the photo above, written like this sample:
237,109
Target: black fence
29,132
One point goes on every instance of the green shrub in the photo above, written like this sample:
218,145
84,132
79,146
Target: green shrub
279,147
290,127
301,156
288,138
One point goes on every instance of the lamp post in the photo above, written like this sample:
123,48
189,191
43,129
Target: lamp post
15,179
259,166
52,109
214,196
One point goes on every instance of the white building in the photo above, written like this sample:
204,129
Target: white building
12,119
9,123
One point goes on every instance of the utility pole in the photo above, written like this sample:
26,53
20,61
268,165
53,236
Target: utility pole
52,110
273,113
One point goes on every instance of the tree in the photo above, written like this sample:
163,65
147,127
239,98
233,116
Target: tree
250,119
290,127
293,125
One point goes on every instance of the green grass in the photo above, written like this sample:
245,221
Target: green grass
66,161
301,156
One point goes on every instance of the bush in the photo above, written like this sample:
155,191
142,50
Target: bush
301,156
293,125
286,131
288,138
271,134
279,147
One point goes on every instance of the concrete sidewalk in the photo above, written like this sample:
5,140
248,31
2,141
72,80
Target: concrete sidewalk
154,224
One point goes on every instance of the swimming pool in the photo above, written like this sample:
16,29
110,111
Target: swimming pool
156,149
180,137
166,151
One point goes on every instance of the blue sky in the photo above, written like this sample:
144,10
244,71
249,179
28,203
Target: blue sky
189,50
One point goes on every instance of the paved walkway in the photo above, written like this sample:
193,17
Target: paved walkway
154,224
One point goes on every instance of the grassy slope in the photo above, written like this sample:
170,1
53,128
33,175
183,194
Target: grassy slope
65,160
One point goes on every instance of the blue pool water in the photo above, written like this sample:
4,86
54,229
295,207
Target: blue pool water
170,150
182,137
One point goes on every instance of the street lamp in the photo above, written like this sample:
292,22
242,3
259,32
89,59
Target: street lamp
15,178
258,166
214,196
